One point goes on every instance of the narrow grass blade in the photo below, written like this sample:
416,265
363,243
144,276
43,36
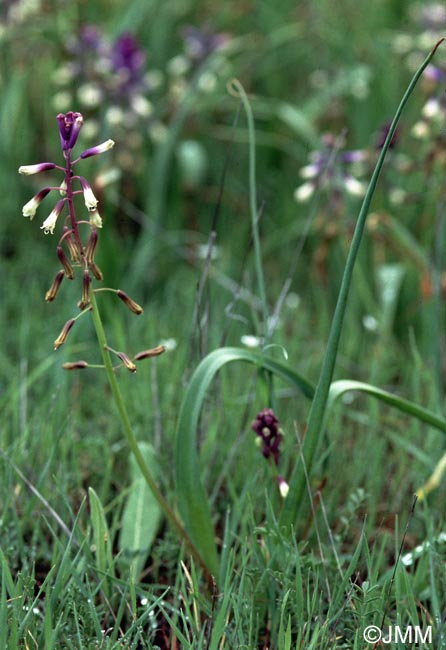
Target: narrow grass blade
101,536
191,496
313,435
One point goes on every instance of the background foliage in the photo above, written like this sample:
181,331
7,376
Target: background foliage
180,173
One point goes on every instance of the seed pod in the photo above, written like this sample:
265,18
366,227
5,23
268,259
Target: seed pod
146,354
94,268
64,333
65,263
86,288
128,363
75,365
52,291
131,304
91,246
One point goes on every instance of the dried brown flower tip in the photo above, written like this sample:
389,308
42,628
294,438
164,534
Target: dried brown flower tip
128,363
146,354
64,333
65,263
94,268
91,247
73,247
74,365
131,304
86,289
52,291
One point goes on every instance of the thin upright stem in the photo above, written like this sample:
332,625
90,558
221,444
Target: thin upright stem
132,442
70,194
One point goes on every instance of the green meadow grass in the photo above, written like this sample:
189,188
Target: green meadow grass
87,560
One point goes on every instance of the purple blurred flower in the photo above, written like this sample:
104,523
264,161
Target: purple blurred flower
329,167
127,57
201,42
266,426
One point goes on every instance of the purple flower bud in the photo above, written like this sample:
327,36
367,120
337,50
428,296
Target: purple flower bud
27,170
99,148
69,126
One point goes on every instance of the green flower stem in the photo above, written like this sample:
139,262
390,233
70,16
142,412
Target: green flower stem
131,439
236,88
314,432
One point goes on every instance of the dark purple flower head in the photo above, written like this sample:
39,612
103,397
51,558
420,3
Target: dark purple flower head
266,426
69,126
127,55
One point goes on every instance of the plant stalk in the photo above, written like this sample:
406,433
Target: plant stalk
133,444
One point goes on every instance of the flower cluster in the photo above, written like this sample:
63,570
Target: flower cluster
113,79
266,426
73,250
333,169
429,20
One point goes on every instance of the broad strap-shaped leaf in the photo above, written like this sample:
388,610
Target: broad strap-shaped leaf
191,495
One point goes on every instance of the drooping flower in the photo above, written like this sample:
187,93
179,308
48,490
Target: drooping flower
30,208
91,201
50,222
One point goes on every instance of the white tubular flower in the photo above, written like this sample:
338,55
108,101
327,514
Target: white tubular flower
100,148
91,201
95,219
30,208
27,170
50,222
304,192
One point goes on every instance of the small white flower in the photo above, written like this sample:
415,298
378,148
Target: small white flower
95,219
91,201
431,109
304,192
30,208
354,187
50,222
251,341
